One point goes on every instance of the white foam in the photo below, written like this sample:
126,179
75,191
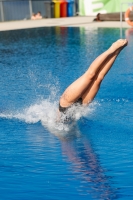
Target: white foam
46,112
34,113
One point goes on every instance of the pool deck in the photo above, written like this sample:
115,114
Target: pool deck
76,21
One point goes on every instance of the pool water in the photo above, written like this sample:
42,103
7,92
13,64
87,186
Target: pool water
90,159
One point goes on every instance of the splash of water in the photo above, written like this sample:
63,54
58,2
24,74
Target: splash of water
46,112
34,113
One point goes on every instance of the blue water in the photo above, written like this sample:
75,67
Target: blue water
92,159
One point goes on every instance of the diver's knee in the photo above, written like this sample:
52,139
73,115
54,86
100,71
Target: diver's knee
100,78
91,74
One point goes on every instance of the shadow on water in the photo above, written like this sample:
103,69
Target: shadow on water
85,163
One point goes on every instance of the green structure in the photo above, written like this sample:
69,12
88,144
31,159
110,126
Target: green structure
92,7
81,7
112,5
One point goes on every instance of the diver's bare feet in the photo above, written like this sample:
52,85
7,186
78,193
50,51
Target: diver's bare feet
118,45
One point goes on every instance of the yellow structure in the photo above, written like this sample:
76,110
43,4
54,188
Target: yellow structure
56,8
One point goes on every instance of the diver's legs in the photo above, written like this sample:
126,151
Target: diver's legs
91,92
79,87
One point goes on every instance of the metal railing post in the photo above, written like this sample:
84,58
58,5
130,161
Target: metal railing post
129,4
30,7
121,20
2,13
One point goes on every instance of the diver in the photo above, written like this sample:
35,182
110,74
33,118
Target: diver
83,90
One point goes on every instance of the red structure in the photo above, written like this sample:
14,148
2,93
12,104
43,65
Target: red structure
63,8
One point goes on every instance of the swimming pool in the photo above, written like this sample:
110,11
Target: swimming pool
92,160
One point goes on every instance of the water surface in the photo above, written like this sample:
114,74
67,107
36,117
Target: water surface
92,159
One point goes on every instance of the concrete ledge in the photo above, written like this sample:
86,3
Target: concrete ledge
77,21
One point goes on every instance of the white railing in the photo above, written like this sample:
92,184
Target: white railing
121,9
129,4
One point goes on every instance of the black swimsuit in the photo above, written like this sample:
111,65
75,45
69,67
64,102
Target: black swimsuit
64,109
